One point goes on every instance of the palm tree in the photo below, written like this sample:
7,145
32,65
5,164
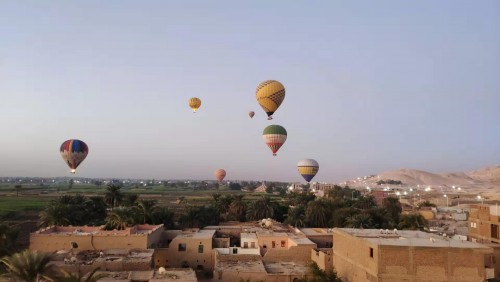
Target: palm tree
8,236
55,214
120,218
296,216
413,221
317,214
28,266
146,209
163,215
361,220
262,208
237,209
72,277
222,205
113,195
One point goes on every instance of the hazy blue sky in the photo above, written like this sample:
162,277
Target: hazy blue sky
371,86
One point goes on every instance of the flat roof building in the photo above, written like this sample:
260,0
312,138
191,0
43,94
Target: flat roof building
377,255
56,238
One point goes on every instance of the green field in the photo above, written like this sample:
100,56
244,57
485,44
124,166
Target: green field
32,198
13,204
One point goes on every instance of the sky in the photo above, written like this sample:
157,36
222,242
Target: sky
370,86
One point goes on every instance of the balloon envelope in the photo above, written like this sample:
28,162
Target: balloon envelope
73,152
308,168
270,94
220,174
194,104
274,136
251,114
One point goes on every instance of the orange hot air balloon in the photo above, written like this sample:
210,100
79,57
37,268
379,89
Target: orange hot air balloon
220,174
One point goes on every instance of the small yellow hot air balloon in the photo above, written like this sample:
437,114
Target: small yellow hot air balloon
194,104
270,94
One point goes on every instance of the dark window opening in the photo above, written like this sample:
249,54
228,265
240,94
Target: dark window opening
182,247
371,252
274,244
283,244
200,249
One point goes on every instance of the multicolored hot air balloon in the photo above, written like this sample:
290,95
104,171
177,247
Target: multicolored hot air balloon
194,104
73,152
308,169
251,114
270,94
274,136
220,174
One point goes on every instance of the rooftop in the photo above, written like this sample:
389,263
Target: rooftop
97,230
287,268
407,238
248,235
171,274
255,266
201,234
317,231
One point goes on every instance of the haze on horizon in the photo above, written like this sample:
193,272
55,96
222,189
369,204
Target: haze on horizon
370,86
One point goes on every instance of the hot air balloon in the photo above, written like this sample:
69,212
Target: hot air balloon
275,137
73,152
308,169
270,94
194,104
220,174
251,114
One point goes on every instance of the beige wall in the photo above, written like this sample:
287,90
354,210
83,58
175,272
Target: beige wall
172,257
352,262
351,258
51,242
300,253
323,258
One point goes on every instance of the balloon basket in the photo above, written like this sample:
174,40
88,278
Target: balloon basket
269,118
274,154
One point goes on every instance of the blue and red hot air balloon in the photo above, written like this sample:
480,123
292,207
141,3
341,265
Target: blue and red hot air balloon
73,152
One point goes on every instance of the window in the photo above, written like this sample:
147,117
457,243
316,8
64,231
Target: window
274,244
252,244
283,244
245,245
200,249
371,252
182,247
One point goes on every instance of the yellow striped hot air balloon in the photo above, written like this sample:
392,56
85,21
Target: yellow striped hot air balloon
194,104
308,169
270,94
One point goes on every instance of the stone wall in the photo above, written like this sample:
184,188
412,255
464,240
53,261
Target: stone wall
300,253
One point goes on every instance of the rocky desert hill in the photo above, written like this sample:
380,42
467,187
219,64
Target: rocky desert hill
485,178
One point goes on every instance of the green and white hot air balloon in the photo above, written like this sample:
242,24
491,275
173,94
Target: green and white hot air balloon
274,136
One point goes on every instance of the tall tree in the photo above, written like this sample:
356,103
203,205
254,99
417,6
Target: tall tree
120,218
163,215
238,208
296,216
146,209
393,210
317,214
113,195
28,266
261,208
413,221
8,236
